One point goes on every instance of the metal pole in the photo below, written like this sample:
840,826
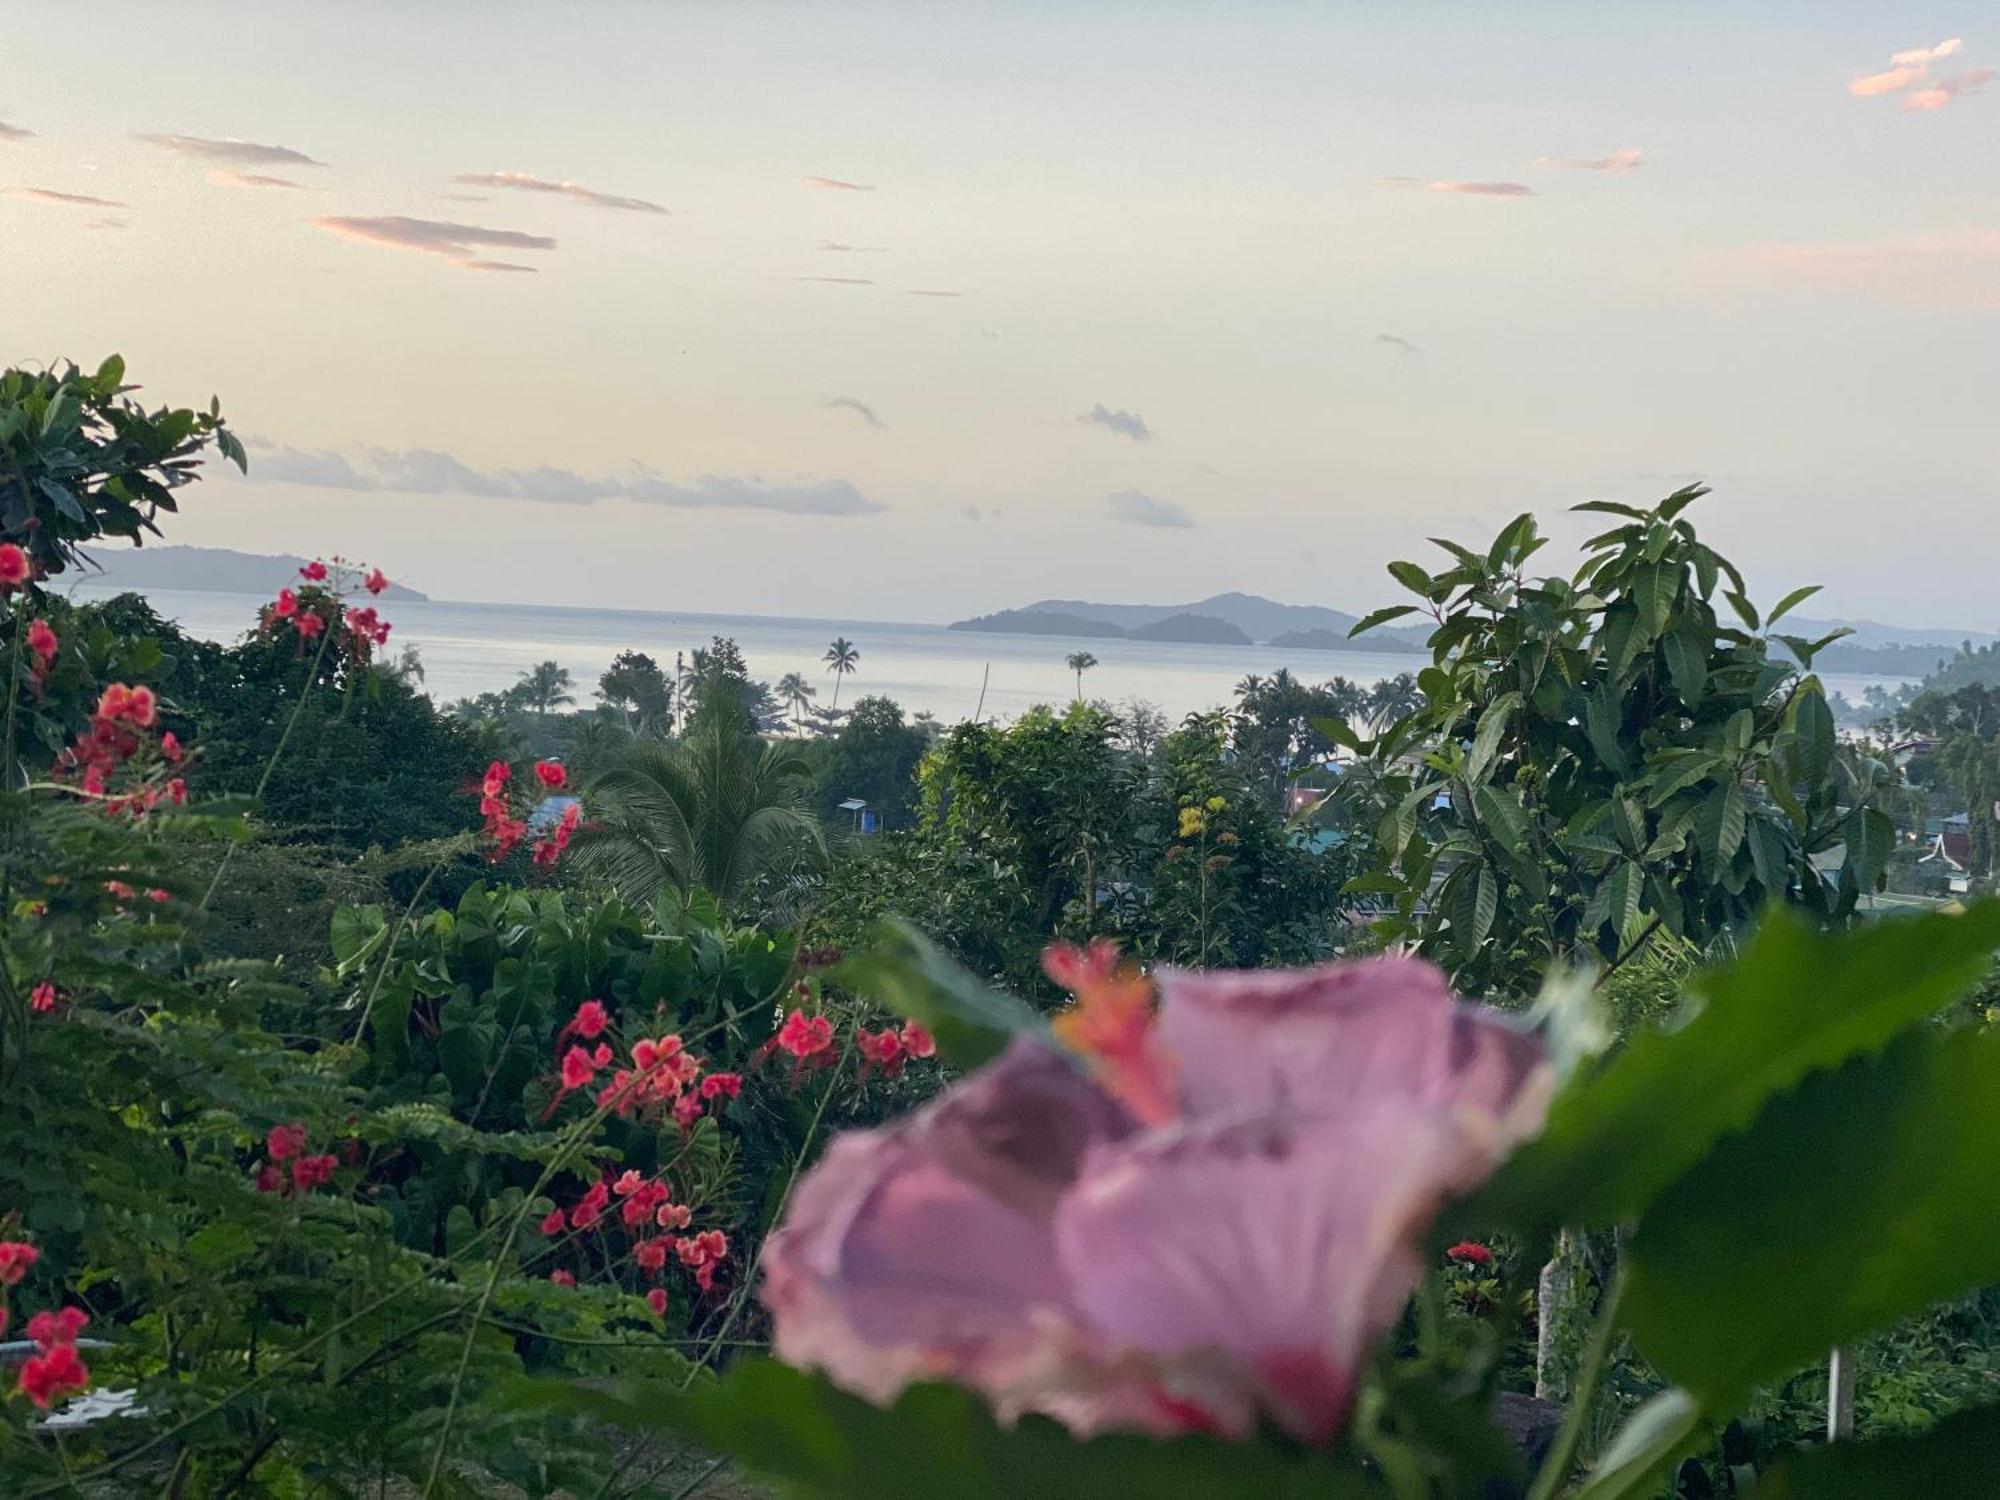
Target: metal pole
1840,1396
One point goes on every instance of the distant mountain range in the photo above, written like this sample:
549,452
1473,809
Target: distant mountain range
209,570
1232,619
1247,619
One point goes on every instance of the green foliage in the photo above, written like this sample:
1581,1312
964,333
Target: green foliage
635,686
80,460
1952,1462
910,975
1602,756
874,756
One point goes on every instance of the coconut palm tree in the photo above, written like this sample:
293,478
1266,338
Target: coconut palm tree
544,686
711,812
1394,698
799,693
841,658
1080,662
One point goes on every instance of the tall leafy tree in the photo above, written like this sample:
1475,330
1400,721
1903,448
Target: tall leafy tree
713,812
1599,757
874,757
635,685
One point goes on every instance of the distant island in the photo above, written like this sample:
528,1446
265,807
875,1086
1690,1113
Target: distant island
1231,619
208,570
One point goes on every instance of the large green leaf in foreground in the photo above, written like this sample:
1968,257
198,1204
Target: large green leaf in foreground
1959,1459
1794,1004
1863,1196
938,1441
911,975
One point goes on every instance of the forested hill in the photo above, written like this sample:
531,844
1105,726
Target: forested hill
219,570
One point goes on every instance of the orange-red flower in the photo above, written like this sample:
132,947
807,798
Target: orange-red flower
15,568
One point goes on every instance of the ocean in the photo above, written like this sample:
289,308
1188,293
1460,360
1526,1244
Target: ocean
469,649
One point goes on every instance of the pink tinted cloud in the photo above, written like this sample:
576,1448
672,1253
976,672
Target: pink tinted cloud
1630,159
457,243
243,153
1954,271
1936,96
15,132
1467,189
51,196
1908,67
525,182
837,185
249,180
838,280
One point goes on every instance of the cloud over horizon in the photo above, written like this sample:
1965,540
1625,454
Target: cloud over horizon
838,280
856,405
1125,423
1137,508
1467,189
837,185
456,243
1958,270
526,182
15,132
50,195
428,471
243,153
1936,96
1913,67
1629,159
250,180
841,247
1399,344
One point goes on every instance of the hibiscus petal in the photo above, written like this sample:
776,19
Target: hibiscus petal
1284,1243
925,1248
1380,1027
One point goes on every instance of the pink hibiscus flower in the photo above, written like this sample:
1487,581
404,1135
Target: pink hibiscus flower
1218,1242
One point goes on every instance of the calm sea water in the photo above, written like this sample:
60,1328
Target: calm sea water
476,648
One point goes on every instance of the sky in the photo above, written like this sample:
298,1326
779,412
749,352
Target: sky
914,312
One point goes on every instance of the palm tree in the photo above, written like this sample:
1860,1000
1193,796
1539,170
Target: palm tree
711,812
1394,698
544,686
841,658
796,691
1080,662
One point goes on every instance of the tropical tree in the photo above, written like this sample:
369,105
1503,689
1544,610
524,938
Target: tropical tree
1970,766
1598,758
544,686
635,685
798,693
1392,698
842,657
713,812
1080,662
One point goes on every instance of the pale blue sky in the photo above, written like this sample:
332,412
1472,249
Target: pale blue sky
1169,211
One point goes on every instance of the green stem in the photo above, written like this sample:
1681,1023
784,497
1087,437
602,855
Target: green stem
14,681
389,946
1555,1468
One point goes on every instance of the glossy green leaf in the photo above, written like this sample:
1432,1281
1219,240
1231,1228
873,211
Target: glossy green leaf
819,1441
1380,617
1784,605
1865,1195
1640,1450
1795,1002
911,975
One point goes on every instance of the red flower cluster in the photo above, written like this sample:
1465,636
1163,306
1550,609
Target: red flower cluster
119,739
55,1369
889,1048
44,997
16,568
16,1257
287,1143
1471,1253
322,605
702,1253
42,645
505,828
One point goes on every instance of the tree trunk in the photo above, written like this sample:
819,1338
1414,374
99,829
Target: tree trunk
1554,1290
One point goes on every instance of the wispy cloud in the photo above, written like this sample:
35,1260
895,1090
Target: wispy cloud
1630,159
525,182
1468,189
841,247
242,153
1950,271
856,405
836,185
427,471
15,132
1913,67
51,196
924,291
838,280
1125,423
1400,345
249,180
457,243
1137,508
1936,96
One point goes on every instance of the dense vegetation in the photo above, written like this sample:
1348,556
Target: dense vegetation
393,1095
